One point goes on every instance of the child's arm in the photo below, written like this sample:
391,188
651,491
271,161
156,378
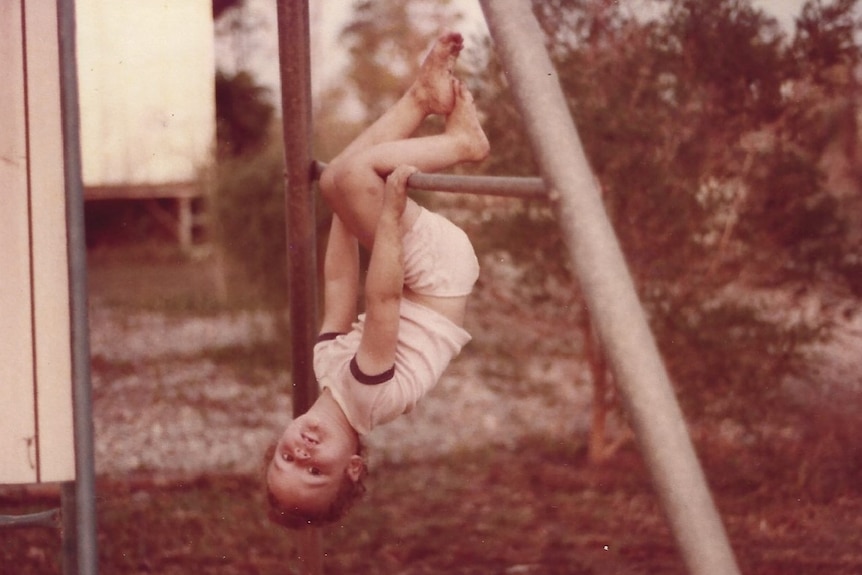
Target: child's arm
340,279
385,281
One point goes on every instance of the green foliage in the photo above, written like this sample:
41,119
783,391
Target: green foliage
727,358
243,114
666,110
827,36
249,208
222,6
249,199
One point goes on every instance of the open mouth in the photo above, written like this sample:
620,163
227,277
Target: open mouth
311,438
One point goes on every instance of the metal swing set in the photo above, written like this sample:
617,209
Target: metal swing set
566,181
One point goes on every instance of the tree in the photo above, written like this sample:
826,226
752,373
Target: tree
673,114
243,114
826,98
248,201
222,6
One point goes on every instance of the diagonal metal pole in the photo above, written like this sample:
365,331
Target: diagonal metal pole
609,290
294,46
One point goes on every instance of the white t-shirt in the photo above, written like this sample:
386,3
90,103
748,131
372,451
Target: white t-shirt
427,342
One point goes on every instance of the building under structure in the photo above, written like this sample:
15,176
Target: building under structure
146,75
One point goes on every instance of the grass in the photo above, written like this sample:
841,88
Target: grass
256,362
479,514
154,277
537,508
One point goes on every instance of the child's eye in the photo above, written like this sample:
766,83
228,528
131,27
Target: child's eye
314,471
287,456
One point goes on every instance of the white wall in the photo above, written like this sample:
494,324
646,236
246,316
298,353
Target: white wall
146,70
36,437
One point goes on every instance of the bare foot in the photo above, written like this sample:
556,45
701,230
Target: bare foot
463,124
395,194
433,86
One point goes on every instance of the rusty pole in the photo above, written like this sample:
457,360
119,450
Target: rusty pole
295,70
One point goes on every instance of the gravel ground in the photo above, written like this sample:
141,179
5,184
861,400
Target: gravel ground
161,404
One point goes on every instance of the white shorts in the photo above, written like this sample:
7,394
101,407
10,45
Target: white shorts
438,258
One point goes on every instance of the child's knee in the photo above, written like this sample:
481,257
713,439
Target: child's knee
337,179
353,177
327,182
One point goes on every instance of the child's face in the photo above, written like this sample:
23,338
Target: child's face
310,462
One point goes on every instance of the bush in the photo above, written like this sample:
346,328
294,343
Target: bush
250,221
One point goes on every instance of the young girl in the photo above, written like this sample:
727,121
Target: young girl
373,368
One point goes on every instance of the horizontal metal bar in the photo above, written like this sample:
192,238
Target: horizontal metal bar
504,186
49,518
528,188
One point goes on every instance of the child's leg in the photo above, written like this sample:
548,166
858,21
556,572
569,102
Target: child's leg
462,140
340,279
431,93
357,193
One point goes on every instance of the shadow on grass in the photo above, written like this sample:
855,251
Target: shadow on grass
538,508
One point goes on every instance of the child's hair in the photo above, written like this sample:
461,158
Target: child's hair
349,492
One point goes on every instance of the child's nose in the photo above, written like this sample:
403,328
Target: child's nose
301,454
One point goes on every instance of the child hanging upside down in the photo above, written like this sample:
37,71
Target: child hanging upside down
373,368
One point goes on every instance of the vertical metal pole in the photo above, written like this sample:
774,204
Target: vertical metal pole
69,527
609,291
295,66
294,46
85,500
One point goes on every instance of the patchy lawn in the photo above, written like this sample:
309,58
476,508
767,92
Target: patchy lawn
480,479
536,509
